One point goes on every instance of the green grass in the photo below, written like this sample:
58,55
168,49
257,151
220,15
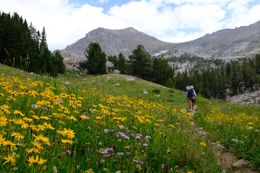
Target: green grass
117,126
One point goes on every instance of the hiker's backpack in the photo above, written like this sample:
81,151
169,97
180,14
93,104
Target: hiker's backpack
191,93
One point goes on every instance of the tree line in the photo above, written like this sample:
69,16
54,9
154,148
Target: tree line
22,46
229,78
224,79
140,64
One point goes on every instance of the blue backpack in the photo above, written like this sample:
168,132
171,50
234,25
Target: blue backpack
191,93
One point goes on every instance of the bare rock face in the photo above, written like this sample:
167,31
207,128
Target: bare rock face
240,163
246,98
224,44
114,42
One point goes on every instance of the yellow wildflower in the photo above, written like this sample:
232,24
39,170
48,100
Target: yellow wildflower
10,159
44,118
17,112
5,109
37,145
67,141
89,171
36,160
83,117
33,150
67,132
48,126
203,144
11,144
3,121
17,136
71,118
42,138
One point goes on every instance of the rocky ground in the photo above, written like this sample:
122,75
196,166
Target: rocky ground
227,159
246,98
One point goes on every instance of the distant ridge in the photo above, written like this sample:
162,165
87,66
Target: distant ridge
115,41
224,44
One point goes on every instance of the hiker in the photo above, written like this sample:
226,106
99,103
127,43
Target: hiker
191,96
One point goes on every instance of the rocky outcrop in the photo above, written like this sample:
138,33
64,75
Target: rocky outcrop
246,98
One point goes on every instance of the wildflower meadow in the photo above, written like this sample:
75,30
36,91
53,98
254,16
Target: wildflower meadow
58,125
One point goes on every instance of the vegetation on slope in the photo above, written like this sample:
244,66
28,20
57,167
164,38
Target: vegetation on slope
22,46
90,124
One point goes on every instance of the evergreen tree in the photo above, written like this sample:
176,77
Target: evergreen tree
249,76
141,62
96,59
34,49
235,78
45,57
162,71
58,63
122,63
257,63
170,83
21,46
114,60
102,65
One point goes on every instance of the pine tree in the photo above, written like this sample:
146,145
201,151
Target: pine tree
161,70
21,45
113,60
45,59
121,63
141,62
257,63
96,59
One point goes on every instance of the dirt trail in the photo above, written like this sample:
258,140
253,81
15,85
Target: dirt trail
228,160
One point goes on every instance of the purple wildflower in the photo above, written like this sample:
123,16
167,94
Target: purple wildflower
122,135
110,150
87,118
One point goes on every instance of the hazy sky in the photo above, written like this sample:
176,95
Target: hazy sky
66,21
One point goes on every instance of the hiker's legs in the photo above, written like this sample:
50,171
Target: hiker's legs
193,104
190,104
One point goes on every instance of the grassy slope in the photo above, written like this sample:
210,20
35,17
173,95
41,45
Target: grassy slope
206,110
220,129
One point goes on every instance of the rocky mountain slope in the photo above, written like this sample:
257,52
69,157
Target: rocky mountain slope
228,43
115,41
224,44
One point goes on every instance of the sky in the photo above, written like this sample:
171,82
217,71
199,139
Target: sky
66,21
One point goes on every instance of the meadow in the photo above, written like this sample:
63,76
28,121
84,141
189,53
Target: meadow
108,124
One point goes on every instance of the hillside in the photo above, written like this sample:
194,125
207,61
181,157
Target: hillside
91,123
112,42
224,44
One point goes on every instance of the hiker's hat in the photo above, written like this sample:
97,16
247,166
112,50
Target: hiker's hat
189,87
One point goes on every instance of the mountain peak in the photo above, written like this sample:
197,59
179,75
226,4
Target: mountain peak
223,44
130,29
106,29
